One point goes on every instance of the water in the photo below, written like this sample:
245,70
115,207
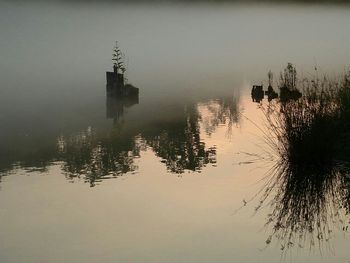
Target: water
161,179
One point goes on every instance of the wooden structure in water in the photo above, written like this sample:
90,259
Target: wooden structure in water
116,85
116,81
257,93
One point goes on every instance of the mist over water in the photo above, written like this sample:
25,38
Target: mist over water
84,177
55,54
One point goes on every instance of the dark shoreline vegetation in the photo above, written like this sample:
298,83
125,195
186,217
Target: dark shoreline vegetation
308,188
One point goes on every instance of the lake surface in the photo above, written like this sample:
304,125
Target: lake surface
174,176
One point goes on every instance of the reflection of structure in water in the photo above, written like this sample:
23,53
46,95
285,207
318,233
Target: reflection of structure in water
115,106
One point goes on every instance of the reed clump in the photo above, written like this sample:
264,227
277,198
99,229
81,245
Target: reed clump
310,128
310,135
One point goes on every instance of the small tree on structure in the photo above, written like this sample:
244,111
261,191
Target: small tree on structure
118,63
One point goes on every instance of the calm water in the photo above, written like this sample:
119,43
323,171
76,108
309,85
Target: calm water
174,176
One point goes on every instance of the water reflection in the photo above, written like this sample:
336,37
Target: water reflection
95,153
309,204
115,106
96,158
225,111
179,143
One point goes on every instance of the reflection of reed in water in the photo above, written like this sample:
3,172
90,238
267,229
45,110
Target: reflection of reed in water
309,186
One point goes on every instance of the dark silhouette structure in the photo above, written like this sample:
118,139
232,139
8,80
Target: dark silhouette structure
116,84
271,94
257,93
